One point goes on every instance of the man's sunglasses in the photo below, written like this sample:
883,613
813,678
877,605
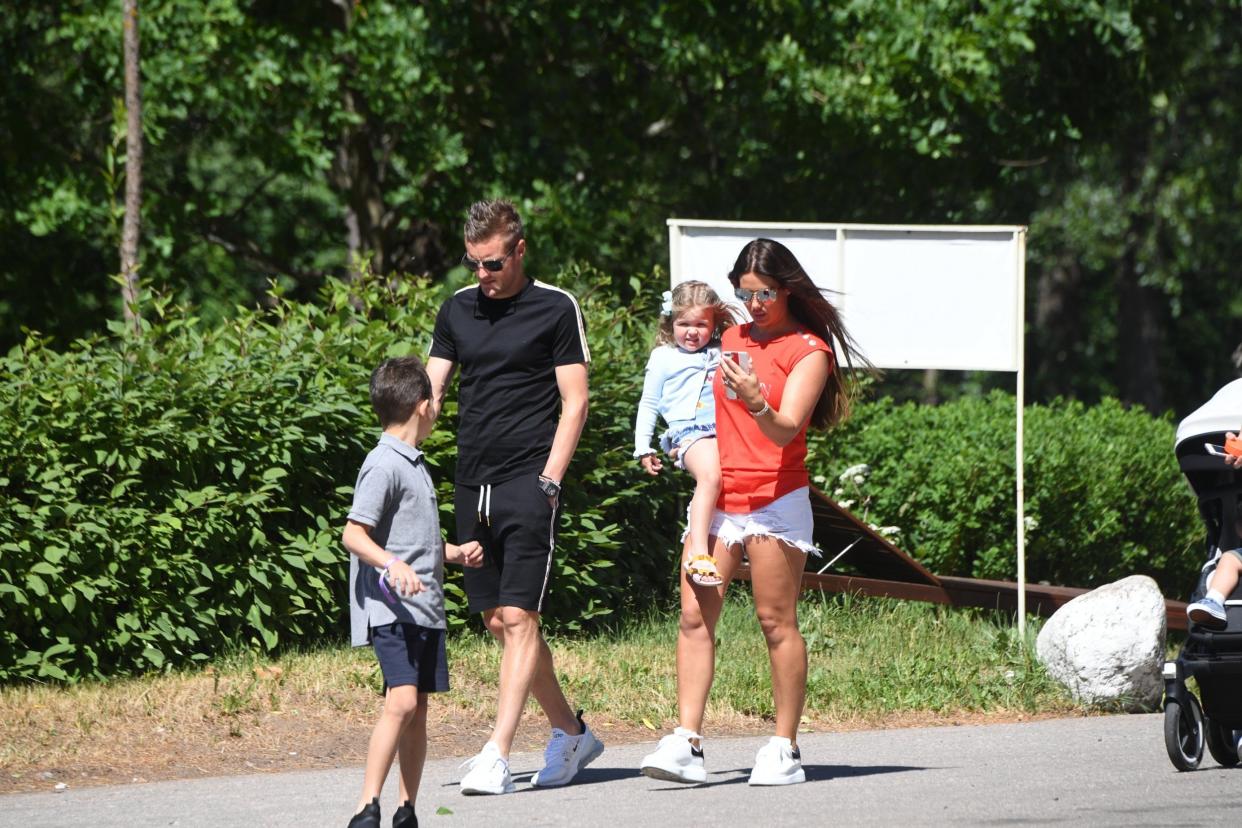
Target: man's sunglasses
487,264
764,295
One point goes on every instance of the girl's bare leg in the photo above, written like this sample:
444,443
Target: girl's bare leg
702,460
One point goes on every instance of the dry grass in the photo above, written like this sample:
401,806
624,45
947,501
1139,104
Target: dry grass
244,715
315,709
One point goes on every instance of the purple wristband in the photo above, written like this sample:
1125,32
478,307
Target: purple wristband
383,582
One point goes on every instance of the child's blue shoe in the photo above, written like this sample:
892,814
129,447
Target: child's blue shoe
1207,612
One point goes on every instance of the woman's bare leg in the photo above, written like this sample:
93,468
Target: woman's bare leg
776,580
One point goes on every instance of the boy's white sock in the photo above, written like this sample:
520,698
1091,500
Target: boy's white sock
1216,596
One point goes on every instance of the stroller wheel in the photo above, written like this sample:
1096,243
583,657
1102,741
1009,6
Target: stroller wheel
1183,732
1220,743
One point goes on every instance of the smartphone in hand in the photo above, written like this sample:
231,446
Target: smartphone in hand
1231,448
742,360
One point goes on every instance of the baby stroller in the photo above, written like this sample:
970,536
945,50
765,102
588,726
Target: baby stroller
1212,657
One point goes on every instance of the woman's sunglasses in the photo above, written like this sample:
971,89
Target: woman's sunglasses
764,295
487,264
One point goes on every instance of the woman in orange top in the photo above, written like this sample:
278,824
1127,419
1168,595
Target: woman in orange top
764,403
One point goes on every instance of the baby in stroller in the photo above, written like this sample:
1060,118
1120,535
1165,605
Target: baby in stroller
1210,610
1207,450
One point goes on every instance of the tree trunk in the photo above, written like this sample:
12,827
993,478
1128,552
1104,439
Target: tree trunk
356,172
1139,332
1058,331
133,168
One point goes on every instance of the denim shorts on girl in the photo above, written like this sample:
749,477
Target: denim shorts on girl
410,654
682,434
788,519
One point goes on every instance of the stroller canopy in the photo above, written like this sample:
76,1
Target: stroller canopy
1216,416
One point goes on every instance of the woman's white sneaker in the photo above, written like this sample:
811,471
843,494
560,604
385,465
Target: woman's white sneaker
777,763
675,759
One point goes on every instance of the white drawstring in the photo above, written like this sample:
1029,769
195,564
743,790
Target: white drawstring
484,507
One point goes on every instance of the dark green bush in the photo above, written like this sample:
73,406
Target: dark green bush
1104,496
167,496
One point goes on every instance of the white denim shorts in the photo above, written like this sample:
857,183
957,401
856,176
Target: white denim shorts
788,519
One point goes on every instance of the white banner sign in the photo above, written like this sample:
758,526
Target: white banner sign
913,296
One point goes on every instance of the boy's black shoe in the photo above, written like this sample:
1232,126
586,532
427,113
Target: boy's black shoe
405,817
368,817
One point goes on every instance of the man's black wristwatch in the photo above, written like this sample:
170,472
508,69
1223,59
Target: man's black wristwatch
549,486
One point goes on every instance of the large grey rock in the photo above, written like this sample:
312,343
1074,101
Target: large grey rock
1107,646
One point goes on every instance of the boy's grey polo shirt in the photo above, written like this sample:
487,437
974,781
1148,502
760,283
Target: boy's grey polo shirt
395,497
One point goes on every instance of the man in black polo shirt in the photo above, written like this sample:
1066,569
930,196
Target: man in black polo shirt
522,403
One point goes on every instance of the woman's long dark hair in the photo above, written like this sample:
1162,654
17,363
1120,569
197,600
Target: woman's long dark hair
813,311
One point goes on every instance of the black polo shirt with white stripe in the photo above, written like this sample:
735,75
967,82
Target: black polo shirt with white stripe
507,350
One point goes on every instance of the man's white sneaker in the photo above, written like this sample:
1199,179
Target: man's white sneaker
675,759
566,755
488,773
777,763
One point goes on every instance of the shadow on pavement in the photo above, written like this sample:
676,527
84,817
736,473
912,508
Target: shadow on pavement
732,776
821,773
814,773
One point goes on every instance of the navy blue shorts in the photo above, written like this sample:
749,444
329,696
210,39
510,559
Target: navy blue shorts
410,654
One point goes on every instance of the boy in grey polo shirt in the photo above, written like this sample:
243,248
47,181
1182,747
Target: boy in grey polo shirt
396,577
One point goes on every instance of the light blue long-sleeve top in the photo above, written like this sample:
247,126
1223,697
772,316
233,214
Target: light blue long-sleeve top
675,386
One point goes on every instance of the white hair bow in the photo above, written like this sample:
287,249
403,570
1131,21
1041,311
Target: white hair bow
666,307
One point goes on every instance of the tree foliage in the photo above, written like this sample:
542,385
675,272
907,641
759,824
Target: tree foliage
287,140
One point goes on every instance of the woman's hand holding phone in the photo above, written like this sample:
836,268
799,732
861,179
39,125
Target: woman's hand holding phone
739,382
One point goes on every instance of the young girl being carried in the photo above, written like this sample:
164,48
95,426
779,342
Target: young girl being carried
678,387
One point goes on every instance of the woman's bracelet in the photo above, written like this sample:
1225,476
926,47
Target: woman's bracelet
767,409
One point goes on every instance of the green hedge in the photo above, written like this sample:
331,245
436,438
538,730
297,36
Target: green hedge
168,496
1103,495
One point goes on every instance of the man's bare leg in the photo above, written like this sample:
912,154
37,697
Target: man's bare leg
525,669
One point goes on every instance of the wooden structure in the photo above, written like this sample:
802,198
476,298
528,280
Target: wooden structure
881,569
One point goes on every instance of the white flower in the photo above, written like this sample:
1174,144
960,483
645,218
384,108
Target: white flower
889,531
1030,522
846,504
858,473
838,491
666,307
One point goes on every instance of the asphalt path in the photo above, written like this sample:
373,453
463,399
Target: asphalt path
1110,770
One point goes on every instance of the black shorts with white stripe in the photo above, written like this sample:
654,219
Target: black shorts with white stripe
516,525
